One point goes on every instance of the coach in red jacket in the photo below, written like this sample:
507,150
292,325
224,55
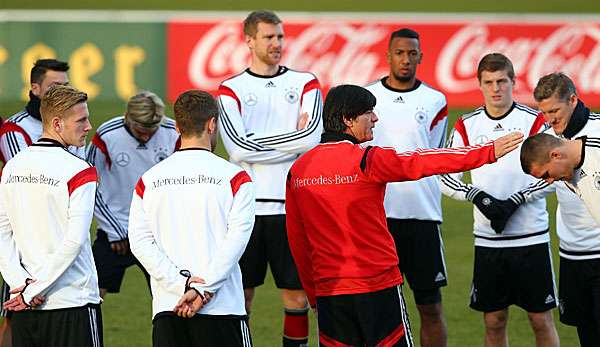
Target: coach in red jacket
336,222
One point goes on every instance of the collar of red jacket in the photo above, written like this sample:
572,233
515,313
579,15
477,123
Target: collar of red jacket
336,137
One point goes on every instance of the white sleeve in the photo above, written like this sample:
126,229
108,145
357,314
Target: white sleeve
537,190
102,211
11,143
79,219
240,222
144,247
452,185
439,127
238,145
302,140
10,263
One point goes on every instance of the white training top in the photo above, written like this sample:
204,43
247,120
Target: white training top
121,160
46,206
259,117
20,131
193,211
529,224
586,182
578,232
410,119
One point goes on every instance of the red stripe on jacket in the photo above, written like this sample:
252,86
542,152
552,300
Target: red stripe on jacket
312,84
237,181
98,142
85,176
224,90
140,188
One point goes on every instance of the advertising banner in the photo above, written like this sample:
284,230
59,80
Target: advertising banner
202,53
108,60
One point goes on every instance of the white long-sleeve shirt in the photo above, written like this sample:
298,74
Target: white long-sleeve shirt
193,211
411,119
46,206
121,160
529,224
259,117
578,232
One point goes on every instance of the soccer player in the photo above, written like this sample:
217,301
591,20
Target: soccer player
24,128
48,259
270,115
123,149
413,115
512,255
553,159
336,221
191,218
579,234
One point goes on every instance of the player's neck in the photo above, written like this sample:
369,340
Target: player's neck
497,112
394,83
196,142
260,68
574,150
53,136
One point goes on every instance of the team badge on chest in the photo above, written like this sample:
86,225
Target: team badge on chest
291,95
161,154
421,115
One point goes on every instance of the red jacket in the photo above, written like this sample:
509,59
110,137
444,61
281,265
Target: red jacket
336,222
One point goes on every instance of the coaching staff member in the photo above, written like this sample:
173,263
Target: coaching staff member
336,221
48,259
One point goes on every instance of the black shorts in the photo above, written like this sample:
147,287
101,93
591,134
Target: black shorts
269,244
168,330
579,292
111,266
421,257
369,319
69,327
522,276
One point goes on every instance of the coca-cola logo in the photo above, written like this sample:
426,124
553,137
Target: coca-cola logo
573,49
334,52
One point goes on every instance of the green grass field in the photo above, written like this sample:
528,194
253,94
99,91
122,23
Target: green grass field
127,316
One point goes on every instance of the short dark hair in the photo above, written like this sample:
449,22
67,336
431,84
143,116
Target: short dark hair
192,110
493,62
556,83
536,150
404,32
41,66
260,16
345,101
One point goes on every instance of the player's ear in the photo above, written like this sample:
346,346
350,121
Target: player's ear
347,122
212,125
177,128
57,124
555,153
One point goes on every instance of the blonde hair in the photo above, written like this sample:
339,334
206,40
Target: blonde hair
58,99
146,109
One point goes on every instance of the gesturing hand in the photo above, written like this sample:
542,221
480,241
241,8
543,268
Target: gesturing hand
507,143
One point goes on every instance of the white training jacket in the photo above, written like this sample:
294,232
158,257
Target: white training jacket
529,224
259,117
193,211
46,206
410,119
578,232
121,160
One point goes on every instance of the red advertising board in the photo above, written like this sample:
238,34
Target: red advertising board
203,53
